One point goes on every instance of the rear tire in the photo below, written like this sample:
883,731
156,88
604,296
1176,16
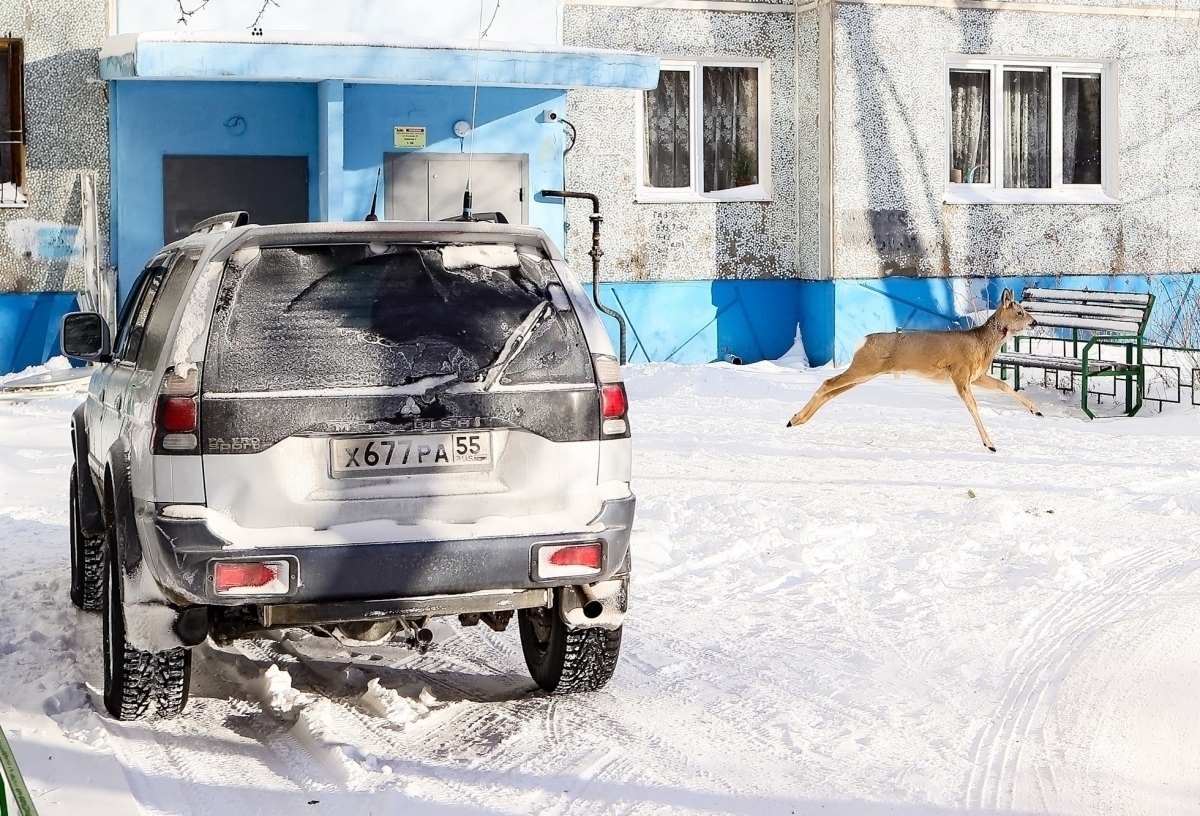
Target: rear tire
87,559
137,684
562,660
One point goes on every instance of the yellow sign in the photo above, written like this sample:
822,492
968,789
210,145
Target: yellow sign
409,136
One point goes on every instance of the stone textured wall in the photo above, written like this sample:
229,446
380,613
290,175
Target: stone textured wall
66,119
685,241
890,132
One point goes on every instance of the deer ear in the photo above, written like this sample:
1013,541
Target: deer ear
1006,296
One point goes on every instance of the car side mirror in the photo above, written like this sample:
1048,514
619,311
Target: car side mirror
85,336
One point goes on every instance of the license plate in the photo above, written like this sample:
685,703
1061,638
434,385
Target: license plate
359,456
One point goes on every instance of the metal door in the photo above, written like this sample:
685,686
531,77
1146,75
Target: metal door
429,186
273,189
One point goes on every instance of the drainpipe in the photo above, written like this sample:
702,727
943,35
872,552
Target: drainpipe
596,253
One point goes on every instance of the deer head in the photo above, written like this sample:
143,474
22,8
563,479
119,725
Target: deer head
1010,316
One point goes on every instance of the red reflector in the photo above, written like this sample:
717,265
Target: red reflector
585,555
235,576
179,414
613,404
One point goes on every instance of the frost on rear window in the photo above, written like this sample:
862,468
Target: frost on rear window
321,317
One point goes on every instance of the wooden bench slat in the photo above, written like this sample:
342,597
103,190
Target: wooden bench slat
1036,308
1099,313
1080,295
1090,324
1055,363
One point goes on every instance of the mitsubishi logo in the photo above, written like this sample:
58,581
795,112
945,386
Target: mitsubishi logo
410,409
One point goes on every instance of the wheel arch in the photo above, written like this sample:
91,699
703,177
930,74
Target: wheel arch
91,510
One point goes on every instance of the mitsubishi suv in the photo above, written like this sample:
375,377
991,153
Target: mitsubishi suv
351,429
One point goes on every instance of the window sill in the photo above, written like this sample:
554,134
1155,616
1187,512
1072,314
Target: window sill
751,193
964,195
11,205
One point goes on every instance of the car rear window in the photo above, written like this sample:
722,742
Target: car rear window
353,316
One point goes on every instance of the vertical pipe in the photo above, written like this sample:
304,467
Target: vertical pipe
596,253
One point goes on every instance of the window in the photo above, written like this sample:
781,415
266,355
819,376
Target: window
1030,131
705,132
158,325
344,316
12,124
137,311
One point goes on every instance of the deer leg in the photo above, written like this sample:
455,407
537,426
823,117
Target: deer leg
990,382
964,392
828,390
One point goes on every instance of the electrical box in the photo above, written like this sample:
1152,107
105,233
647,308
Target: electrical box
429,186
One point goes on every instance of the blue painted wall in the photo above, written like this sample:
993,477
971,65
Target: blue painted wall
702,321
861,307
151,119
508,120
29,327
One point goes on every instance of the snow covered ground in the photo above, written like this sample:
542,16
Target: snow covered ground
869,614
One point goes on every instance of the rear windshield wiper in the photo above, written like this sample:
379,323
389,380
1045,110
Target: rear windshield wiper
516,341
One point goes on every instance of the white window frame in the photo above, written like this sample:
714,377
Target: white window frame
762,191
1106,192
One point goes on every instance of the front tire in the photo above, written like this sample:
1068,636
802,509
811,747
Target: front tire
87,559
137,683
562,660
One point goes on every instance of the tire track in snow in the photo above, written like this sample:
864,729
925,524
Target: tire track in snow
1052,641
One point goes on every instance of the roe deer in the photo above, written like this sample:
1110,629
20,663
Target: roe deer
962,357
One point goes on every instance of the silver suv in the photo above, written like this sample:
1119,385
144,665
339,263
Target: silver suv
352,429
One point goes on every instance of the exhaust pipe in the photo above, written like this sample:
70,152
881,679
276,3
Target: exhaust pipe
592,608
424,636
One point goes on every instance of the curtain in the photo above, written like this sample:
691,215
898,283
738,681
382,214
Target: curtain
730,128
970,127
1027,128
668,131
1081,129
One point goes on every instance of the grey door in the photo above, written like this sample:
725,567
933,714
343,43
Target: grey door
429,186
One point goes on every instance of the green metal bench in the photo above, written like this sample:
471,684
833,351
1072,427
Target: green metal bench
1112,321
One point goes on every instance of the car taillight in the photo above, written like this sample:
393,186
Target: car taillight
177,414
614,403
251,577
569,560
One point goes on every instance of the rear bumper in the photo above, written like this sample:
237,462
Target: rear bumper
182,551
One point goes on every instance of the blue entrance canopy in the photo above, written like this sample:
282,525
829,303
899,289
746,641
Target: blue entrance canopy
303,56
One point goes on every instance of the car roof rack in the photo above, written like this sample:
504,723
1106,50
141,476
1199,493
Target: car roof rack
222,222
490,217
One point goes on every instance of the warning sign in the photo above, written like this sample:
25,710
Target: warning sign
407,136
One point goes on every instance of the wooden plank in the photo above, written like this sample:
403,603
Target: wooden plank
1091,324
1035,361
1083,296
1037,307
1057,363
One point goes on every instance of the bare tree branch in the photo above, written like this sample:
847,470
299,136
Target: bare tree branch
488,28
262,11
186,14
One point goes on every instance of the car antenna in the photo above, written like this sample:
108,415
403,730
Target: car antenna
371,216
467,203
